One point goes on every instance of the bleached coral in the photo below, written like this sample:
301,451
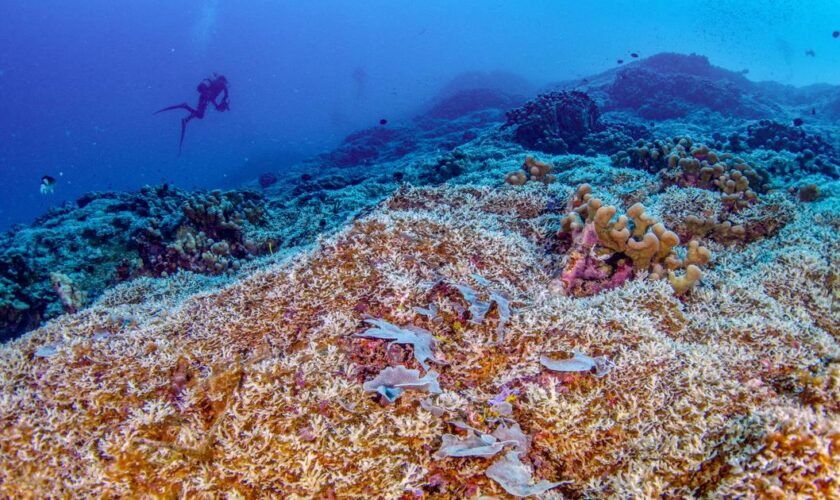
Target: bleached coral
516,478
393,381
254,388
422,341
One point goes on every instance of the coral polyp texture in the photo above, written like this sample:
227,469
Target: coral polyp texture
605,251
564,301
305,378
556,122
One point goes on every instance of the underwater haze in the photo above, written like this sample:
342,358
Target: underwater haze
79,81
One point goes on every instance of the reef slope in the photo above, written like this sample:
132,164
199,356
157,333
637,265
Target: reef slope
256,389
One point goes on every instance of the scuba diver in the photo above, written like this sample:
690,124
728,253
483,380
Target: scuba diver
209,91
47,184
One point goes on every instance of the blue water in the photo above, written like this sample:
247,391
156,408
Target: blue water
79,81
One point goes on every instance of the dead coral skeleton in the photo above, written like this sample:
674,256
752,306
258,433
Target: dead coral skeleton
517,478
393,381
579,362
422,341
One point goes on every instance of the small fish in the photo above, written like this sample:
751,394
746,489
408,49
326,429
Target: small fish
798,122
835,34
810,53
620,61
634,55
383,122
813,111
47,184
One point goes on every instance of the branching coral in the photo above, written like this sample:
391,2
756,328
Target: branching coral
256,389
604,252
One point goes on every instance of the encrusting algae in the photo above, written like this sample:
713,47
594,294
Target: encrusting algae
729,388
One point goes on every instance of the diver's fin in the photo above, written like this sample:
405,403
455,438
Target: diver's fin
177,106
184,122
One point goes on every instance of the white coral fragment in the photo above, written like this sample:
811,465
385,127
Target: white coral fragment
479,308
432,408
430,312
478,444
420,339
516,478
503,305
46,351
579,362
515,435
392,382
474,445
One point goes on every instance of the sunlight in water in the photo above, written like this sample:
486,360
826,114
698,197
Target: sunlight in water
205,26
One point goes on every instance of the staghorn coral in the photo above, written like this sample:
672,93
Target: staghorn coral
256,389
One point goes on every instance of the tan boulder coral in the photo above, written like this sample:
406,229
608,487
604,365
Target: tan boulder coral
605,251
518,178
534,170
682,162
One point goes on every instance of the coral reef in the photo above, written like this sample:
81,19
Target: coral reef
533,170
389,320
671,86
258,389
469,101
107,238
556,122
371,145
215,232
602,254
267,179
814,153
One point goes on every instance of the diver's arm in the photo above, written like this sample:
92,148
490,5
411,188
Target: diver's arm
224,104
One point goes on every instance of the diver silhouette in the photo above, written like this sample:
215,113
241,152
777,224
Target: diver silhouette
209,91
